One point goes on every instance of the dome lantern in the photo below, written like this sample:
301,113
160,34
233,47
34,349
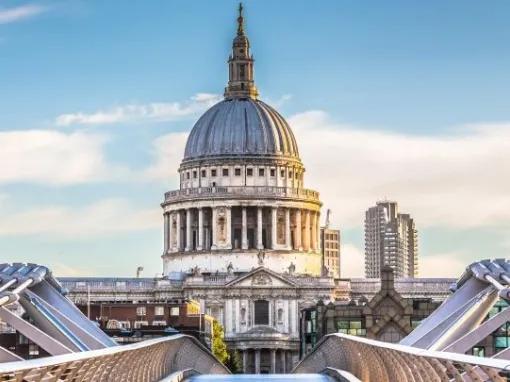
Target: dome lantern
241,83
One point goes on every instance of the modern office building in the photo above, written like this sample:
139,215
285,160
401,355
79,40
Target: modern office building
391,239
330,249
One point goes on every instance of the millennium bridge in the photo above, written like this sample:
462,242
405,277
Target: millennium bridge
80,351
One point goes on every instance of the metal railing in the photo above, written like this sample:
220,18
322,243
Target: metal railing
147,361
370,360
242,191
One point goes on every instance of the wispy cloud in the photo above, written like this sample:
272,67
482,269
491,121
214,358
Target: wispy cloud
168,151
458,181
22,12
53,157
157,111
430,265
104,217
443,264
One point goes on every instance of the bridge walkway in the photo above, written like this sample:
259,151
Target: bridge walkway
261,377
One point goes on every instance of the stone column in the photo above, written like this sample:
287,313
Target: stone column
166,233
188,230
313,227
244,233
318,231
229,227
245,361
282,361
257,361
214,226
288,244
273,361
297,233
273,227
200,229
171,234
260,245
288,362
178,231
306,239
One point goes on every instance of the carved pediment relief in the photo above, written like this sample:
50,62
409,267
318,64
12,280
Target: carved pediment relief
262,278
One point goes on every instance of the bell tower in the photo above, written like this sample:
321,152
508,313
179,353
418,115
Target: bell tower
241,83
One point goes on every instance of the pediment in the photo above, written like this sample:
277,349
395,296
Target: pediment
262,278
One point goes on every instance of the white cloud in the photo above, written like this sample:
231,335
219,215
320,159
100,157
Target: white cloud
443,265
157,111
53,157
105,217
65,270
280,101
11,15
168,153
458,180
352,261
435,265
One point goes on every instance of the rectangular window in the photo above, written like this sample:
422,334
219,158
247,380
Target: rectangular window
237,172
194,174
159,310
261,312
273,172
290,174
203,174
249,172
187,175
141,311
261,172
174,311
353,327
282,173
225,172
213,172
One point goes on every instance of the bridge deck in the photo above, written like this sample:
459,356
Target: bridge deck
262,377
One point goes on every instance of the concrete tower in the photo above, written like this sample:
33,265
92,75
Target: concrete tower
391,239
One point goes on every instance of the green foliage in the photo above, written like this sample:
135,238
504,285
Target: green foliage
234,363
219,348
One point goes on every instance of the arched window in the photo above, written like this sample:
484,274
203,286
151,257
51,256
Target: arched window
261,312
280,315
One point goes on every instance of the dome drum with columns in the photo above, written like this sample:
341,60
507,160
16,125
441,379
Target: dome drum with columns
242,202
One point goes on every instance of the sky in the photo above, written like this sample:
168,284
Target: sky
404,100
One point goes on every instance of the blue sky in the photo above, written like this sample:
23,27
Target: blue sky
400,99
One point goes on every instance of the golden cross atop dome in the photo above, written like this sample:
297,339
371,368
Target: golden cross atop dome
240,21
240,65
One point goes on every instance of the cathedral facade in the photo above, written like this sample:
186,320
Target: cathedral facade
242,232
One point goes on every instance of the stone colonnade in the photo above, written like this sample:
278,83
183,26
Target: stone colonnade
241,228
265,361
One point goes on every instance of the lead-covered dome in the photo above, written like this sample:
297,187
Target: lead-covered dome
241,126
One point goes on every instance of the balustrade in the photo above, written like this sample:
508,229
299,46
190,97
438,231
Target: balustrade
234,191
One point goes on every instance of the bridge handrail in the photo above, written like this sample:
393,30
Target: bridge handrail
334,351
159,357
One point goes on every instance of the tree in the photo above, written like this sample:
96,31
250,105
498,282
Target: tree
234,363
218,347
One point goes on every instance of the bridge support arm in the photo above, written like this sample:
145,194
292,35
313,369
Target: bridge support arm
36,335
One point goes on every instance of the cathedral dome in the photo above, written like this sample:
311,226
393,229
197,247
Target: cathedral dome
241,126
